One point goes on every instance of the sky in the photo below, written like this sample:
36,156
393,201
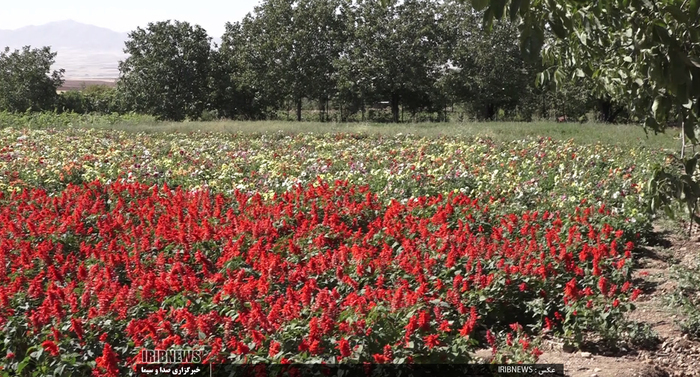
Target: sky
126,15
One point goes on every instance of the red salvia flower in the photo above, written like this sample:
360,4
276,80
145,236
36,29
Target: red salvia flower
107,364
274,348
344,347
431,341
635,294
51,347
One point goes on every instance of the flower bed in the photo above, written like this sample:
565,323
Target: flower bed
320,272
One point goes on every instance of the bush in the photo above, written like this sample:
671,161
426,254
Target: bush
98,99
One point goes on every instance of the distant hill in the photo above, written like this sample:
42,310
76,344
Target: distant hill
65,34
84,51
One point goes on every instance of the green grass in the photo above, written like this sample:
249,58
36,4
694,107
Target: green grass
587,133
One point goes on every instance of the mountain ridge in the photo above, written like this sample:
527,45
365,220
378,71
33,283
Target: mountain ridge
85,51
65,34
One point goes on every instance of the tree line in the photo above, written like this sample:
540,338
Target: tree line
338,60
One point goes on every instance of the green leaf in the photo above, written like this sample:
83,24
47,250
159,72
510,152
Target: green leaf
678,65
677,13
655,106
558,29
524,8
531,44
37,354
663,34
514,9
689,129
488,19
23,364
694,61
695,7
583,37
690,165
669,212
479,5
498,7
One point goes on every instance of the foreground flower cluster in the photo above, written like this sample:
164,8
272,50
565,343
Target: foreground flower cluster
319,272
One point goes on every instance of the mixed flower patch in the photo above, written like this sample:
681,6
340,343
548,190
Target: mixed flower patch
308,248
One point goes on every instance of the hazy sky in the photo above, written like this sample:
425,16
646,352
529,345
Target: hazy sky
125,15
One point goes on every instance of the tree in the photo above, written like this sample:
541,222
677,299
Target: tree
100,99
166,74
26,80
393,52
491,73
319,26
289,50
242,79
643,53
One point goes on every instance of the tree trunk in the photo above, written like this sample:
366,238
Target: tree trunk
608,110
299,110
444,113
544,106
321,109
395,106
489,112
682,122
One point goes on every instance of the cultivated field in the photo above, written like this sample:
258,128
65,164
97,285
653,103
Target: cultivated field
313,242
80,84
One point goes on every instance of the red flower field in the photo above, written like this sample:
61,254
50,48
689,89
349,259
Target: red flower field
321,273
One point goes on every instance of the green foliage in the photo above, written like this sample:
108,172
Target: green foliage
99,99
102,99
29,120
687,297
341,58
669,188
302,38
26,79
491,73
642,53
235,87
72,101
167,70
393,54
